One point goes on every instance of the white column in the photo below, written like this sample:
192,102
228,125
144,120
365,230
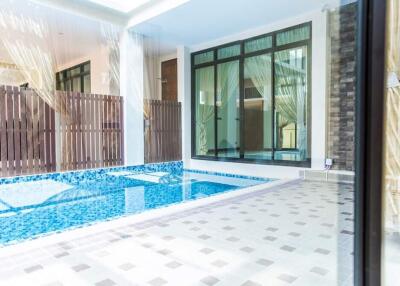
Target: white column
319,91
184,96
132,90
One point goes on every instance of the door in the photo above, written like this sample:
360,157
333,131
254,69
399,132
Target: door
169,80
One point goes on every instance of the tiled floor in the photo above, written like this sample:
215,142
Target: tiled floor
300,233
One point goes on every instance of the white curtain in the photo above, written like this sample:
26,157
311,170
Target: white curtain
392,119
259,70
228,105
111,36
290,99
27,42
204,106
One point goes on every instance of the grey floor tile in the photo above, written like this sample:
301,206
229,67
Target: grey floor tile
126,266
288,248
33,268
158,282
106,282
322,251
319,271
265,262
251,283
247,249
219,263
207,250
80,267
173,264
210,280
287,278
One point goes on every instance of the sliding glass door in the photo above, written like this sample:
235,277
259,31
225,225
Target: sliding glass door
205,111
228,113
258,114
251,99
291,104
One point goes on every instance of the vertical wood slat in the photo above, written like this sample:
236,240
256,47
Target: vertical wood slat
3,132
24,149
41,124
121,128
92,128
84,131
17,130
29,126
10,131
28,133
164,131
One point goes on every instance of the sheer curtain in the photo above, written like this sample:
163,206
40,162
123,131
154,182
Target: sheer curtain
204,107
228,106
392,130
259,70
111,35
27,42
291,87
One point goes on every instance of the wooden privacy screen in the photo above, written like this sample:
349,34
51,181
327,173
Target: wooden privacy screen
27,141
91,133
163,131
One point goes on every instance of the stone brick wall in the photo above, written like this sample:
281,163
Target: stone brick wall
342,87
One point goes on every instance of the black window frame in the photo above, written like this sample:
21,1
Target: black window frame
273,49
81,75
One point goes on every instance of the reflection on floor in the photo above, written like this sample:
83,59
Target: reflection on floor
297,234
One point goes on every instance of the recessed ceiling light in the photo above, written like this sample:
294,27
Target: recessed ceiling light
124,6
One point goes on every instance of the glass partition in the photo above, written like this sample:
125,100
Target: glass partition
291,104
228,120
205,112
258,120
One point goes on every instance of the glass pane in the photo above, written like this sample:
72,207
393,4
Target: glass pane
86,68
291,36
204,58
258,107
68,86
76,84
205,113
228,120
391,235
258,44
86,84
291,105
76,71
229,52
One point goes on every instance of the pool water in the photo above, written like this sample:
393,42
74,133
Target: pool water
37,205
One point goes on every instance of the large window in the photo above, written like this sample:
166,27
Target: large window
251,99
76,79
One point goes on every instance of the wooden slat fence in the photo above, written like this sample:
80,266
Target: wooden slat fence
162,131
27,141
92,132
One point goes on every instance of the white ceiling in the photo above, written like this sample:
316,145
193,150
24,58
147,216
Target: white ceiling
200,21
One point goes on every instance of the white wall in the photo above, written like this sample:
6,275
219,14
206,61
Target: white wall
319,66
99,65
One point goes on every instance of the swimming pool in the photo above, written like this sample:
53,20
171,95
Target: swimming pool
36,205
